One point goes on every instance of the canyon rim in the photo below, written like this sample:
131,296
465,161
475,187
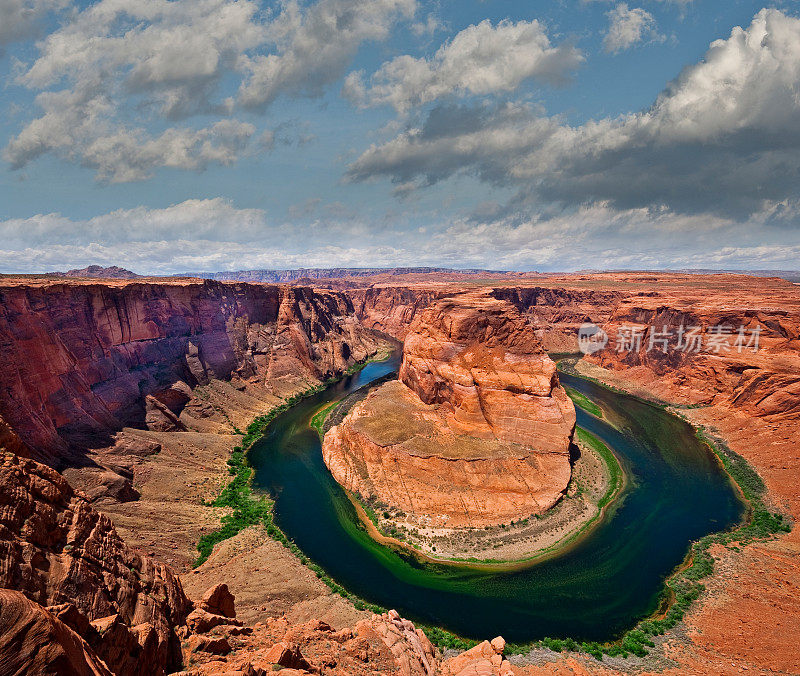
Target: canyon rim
399,337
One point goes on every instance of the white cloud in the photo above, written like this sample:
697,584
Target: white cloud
22,19
175,52
206,219
724,136
628,27
167,60
481,59
213,234
314,47
431,25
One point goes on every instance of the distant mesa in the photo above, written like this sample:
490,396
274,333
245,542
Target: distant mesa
303,275
99,272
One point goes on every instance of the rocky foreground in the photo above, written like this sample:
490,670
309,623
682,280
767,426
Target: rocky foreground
475,433
136,390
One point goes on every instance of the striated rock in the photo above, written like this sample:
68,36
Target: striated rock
287,655
214,646
485,659
201,621
391,309
479,360
413,652
34,641
81,361
382,644
478,431
56,549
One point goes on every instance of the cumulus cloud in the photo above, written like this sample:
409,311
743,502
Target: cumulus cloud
481,59
316,46
172,60
628,27
723,137
207,219
174,52
22,19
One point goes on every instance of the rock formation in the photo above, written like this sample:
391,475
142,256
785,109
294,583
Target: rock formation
80,361
477,431
34,641
61,553
99,272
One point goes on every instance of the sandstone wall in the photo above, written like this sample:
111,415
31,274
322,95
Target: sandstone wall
761,383
80,361
479,359
391,309
476,431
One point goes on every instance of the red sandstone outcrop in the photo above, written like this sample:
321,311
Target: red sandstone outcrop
478,360
58,551
486,658
34,641
383,644
80,361
476,433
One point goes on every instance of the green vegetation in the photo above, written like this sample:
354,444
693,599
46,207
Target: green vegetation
246,508
684,587
616,474
445,639
318,421
580,399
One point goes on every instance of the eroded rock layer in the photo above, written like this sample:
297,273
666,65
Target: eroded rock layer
80,361
59,552
477,430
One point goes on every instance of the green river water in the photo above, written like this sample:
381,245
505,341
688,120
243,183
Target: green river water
595,590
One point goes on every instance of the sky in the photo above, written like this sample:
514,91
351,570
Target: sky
170,136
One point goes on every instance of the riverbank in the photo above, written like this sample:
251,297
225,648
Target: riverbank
247,509
597,480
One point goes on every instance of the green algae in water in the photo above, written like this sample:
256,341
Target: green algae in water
594,591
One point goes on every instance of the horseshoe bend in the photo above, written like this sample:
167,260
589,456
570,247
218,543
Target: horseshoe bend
476,431
125,404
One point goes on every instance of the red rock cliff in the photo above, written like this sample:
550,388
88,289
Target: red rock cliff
478,359
79,361
59,552
477,430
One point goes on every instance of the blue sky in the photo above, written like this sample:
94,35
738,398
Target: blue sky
231,134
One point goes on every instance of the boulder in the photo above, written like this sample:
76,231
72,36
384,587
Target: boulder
219,601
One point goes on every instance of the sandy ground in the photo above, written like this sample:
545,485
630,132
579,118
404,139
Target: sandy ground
169,517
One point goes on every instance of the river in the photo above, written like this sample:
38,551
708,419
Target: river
595,590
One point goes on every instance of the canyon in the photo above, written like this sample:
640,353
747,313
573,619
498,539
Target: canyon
121,401
475,433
